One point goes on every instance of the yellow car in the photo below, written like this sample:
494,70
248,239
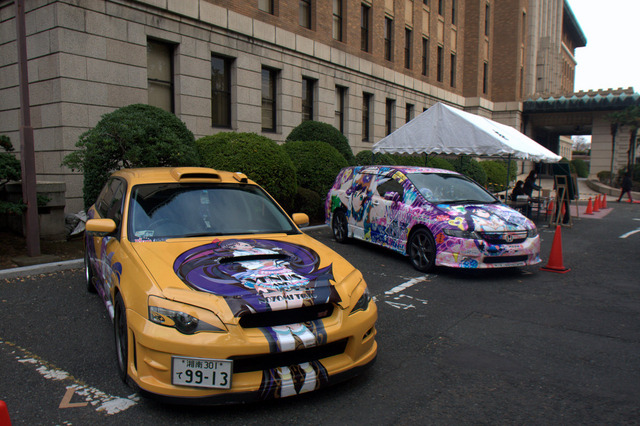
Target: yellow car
216,295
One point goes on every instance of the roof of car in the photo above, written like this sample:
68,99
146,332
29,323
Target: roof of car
180,174
403,169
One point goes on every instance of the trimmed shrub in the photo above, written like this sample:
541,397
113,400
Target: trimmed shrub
440,163
604,176
260,158
366,158
496,171
316,163
10,170
317,131
471,168
581,167
133,136
408,160
311,203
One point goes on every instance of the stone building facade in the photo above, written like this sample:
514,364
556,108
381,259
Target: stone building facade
365,66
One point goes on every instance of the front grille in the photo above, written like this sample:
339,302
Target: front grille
516,237
243,364
288,316
505,259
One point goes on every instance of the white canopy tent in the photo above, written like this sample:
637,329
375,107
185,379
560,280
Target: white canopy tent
446,130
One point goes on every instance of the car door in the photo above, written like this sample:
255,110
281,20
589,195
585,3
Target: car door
387,209
110,205
359,203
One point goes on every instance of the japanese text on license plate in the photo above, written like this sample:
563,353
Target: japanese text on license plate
201,372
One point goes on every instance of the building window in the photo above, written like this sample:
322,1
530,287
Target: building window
425,56
485,72
453,12
308,87
408,114
453,70
388,39
337,20
269,106
407,48
389,115
441,7
266,6
305,13
439,64
486,20
366,116
221,91
160,75
365,13
425,2
340,107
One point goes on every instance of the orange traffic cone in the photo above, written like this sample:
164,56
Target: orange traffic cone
604,202
4,414
589,207
555,258
550,208
596,205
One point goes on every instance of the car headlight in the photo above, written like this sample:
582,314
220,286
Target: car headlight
459,233
187,319
363,303
532,233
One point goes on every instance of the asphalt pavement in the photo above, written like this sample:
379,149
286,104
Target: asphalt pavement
515,346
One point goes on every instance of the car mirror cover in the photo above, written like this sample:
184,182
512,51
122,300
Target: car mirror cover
100,226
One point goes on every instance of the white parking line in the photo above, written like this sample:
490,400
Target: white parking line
399,298
404,286
630,232
102,402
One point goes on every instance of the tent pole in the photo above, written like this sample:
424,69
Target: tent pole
506,190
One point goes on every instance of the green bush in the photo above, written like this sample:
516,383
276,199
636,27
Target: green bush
408,160
133,136
367,158
311,203
581,167
260,158
604,176
317,131
440,163
10,170
316,163
471,168
496,171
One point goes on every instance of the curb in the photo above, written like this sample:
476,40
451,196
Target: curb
43,268
46,268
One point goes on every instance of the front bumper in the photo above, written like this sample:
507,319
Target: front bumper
468,253
260,372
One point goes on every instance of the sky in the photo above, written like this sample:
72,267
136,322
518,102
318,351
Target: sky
611,57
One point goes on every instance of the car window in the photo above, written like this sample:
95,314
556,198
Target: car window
448,188
109,203
389,185
181,210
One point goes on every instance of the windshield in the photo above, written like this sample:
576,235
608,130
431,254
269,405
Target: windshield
445,188
173,210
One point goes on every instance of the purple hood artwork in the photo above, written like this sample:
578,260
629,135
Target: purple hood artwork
255,275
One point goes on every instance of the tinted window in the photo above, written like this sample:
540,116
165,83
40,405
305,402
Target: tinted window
449,188
109,203
388,185
182,210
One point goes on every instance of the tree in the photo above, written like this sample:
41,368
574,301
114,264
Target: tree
629,117
132,136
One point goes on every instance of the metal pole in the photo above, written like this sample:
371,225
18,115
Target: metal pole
27,151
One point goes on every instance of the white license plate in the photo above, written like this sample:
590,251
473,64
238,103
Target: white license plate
201,372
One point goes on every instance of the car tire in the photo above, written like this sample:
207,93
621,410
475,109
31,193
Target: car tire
339,226
88,274
422,250
121,333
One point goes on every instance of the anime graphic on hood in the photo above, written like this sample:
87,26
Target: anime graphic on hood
257,275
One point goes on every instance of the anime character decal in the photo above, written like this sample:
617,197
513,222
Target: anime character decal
258,275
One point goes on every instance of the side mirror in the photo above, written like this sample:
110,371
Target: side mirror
100,227
300,219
